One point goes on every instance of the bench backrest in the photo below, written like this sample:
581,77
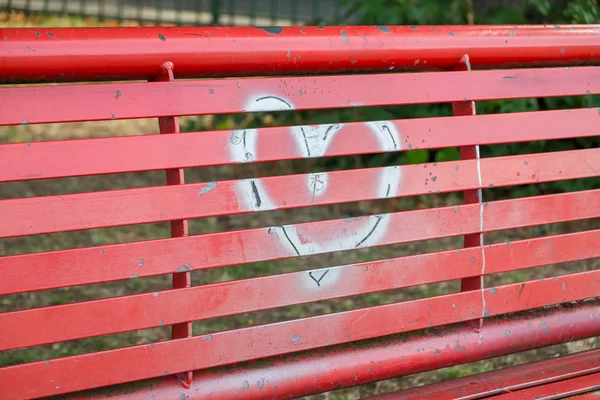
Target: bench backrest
182,255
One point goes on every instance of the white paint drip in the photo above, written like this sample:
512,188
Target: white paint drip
481,242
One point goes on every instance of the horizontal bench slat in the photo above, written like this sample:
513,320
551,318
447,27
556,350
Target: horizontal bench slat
131,260
121,314
55,159
145,361
557,390
508,379
61,213
43,104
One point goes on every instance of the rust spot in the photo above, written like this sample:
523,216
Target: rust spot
211,91
50,34
245,385
24,122
117,94
162,37
383,28
451,33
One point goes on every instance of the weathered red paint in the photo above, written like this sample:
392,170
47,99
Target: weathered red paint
505,380
327,369
179,228
328,337
41,160
122,261
557,390
67,54
136,206
39,104
217,300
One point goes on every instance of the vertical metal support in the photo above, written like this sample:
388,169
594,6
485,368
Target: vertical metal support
464,108
179,228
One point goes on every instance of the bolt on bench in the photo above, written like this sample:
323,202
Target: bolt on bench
326,352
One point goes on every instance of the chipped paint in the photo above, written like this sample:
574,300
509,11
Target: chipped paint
185,268
206,189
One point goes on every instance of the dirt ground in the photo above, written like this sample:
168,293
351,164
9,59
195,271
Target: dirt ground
150,231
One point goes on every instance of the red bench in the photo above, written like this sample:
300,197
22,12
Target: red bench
320,353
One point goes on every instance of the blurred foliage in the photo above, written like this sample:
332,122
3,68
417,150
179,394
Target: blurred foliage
436,12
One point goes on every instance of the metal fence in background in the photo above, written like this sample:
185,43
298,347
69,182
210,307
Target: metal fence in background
193,12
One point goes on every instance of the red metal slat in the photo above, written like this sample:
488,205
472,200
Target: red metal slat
217,300
124,261
504,380
40,104
557,390
67,54
122,207
210,301
327,369
54,159
587,396
140,362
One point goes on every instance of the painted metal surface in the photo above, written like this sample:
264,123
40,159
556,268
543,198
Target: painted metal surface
323,352
66,103
122,261
120,314
131,53
327,369
41,160
468,108
505,380
62,213
557,390
179,227
80,372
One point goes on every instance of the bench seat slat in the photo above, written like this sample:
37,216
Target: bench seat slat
556,390
62,213
55,159
145,361
504,380
43,104
132,260
121,314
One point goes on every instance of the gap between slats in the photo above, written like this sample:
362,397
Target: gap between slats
122,365
131,260
63,213
114,315
42,160
45,104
